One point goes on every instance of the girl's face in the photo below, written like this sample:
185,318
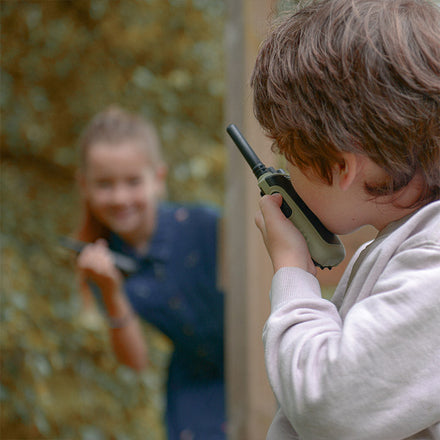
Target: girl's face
122,189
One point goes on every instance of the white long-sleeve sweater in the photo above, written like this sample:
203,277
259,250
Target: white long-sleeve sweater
366,365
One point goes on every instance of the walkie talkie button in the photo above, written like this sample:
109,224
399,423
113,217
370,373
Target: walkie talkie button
286,209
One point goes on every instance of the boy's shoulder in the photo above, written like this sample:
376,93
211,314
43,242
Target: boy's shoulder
423,226
399,252
424,218
414,237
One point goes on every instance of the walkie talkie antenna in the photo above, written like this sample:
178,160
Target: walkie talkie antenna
252,159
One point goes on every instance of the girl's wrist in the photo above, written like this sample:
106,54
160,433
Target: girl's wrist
116,304
120,322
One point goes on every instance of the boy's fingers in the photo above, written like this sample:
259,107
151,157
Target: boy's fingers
259,220
269,204
271,201
270,207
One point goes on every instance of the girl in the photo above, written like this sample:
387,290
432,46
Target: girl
122,179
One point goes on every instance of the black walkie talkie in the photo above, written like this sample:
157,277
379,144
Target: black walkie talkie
124,263
325,247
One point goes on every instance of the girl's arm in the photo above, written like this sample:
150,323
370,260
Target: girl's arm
95,263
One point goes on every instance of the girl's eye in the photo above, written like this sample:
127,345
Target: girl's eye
134,181
103,184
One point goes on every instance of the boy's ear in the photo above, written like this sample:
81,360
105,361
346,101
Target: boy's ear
347,170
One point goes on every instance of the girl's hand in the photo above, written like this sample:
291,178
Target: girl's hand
285,244
95,262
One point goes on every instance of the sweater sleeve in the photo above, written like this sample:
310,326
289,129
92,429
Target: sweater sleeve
374,375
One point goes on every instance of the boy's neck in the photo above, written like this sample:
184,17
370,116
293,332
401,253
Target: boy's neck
392,208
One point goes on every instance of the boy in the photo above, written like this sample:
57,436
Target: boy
349,91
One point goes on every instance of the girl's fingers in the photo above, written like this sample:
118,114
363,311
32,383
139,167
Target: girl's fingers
96,258
101,242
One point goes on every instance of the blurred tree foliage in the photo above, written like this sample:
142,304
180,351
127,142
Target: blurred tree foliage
63,61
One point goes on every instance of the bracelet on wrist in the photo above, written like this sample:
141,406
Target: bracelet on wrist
121,322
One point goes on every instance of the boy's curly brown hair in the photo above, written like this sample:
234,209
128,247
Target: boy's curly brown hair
358,76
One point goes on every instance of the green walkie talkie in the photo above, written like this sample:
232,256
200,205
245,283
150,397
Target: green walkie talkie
325,247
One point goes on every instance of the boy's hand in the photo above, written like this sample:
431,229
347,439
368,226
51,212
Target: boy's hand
285,244
95,262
